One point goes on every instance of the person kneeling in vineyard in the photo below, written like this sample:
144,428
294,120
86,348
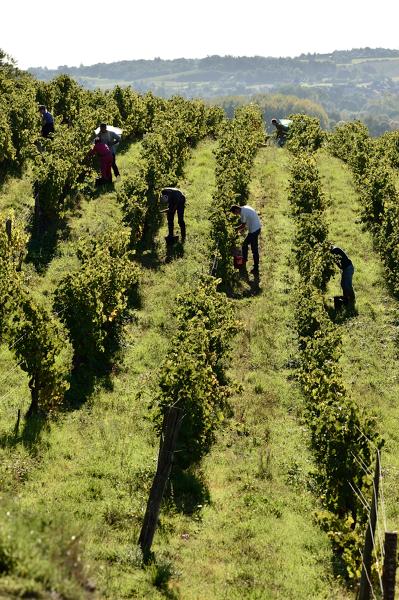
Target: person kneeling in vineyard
347,268
106,159
249,218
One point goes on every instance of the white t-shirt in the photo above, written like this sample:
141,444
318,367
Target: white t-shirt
249,216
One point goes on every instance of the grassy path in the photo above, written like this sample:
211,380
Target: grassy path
370,340
16,194
256,538
74,500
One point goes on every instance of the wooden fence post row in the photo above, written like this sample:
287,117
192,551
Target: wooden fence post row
170,431
365,585
389,571
9,229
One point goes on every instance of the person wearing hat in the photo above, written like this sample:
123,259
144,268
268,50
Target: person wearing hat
176,203
47,121
347,268
111,139
250,219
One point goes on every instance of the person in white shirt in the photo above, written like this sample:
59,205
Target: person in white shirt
250,219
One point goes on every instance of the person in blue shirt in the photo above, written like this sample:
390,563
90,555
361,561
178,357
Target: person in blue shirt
47,121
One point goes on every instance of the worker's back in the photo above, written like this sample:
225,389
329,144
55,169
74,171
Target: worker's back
174,195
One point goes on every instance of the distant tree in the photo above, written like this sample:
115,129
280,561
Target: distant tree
7,63
275,105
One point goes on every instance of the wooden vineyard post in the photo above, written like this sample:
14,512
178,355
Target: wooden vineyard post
389,571
9,229
365,580
37,213
16,428
170,431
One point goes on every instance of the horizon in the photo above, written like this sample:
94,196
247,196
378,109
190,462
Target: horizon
159,58
81,33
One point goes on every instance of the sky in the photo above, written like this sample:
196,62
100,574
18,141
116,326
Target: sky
74,32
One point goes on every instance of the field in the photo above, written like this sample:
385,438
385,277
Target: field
102,325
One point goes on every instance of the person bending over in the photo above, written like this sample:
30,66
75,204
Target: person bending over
347,268
176,203
250,219
105,156
112,140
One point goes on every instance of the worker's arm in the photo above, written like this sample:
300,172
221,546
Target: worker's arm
90,153
115,139
240,227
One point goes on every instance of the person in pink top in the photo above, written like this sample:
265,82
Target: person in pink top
105,155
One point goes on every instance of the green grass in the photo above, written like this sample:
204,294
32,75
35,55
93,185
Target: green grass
257,537
74,490
16,194
90,471
370,360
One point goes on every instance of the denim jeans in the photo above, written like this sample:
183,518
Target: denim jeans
252,240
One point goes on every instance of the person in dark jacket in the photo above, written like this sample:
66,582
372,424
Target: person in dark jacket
176,203
281,131
47,121
347,268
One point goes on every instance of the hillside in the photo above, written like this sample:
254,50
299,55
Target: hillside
359,83
286,402
95,462
234,74
80,486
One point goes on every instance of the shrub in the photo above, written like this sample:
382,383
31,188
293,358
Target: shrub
304,134
93,300
193,375
41,348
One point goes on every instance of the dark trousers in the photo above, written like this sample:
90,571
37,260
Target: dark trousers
252,240
346,284
47,128
114,167
180,217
